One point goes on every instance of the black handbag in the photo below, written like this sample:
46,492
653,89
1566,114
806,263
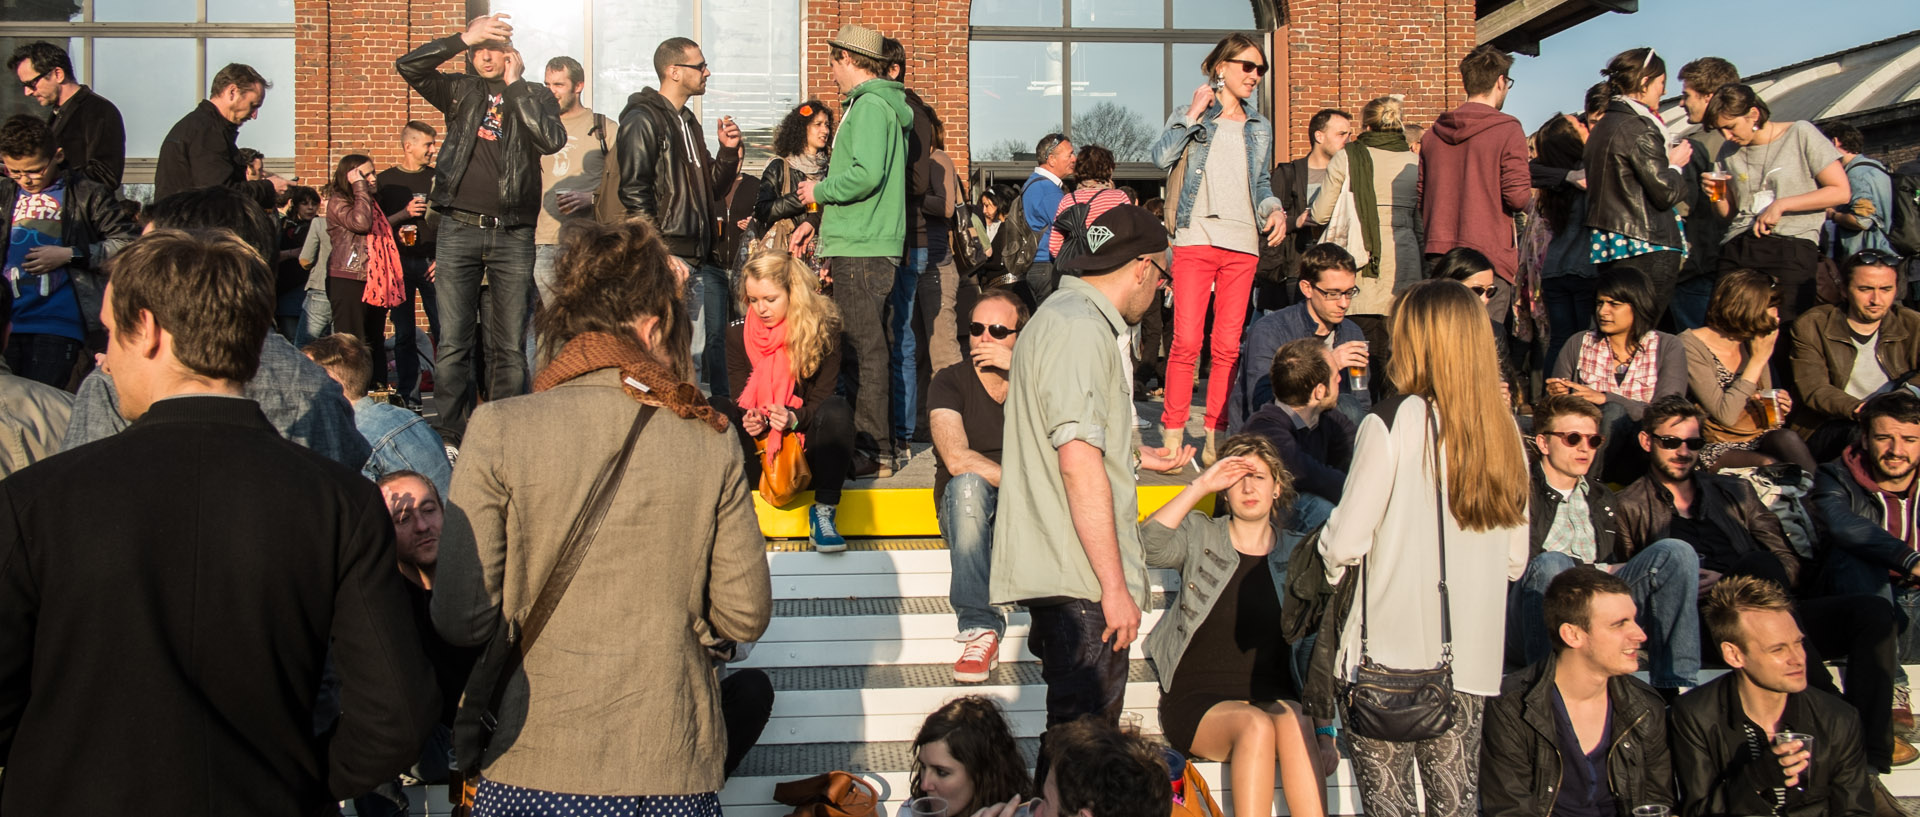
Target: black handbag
1405,705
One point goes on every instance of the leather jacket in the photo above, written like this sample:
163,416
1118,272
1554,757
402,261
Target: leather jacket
1520,764
90,220
1850,518
1545,506
1630,188
667,175
776,201
1823,356
529,115
349,222
1723,767
1646,516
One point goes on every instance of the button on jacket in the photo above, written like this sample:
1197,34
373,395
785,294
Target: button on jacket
529,115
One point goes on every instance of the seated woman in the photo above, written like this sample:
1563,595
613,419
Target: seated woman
1727,375
1621,366
965,754
783,360
1227,680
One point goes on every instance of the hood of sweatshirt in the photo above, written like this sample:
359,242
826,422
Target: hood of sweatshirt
1468,121
648,97
892,93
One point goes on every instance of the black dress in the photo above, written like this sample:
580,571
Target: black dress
1236,655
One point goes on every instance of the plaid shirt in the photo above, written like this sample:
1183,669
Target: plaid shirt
1643,371
1572,531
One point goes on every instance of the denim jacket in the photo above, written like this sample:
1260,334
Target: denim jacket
1259,131
402,441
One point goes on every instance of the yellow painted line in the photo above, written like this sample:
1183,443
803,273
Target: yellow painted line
901,511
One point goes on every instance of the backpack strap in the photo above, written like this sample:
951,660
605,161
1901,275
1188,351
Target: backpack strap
600,130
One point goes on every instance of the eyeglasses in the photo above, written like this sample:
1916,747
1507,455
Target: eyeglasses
1336,294
36,173
1157,268
1485,293
32,83
702,67
999,332
1573,438
1249,66
1510,82
1670,443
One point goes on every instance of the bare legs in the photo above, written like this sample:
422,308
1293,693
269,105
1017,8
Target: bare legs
1252,740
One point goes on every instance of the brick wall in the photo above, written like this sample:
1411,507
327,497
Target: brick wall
1341,53
935,35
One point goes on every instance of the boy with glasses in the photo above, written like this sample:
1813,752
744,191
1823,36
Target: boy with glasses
1574,521
1328,284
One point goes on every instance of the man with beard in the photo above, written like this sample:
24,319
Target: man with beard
1843,353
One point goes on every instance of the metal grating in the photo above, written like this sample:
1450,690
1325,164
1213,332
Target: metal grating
867,544
907,606
918,676
793,760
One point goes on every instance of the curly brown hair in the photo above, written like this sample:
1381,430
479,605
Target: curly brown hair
608,276
1106,771
978,737
790,138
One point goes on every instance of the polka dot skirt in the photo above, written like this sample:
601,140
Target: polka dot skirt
501,800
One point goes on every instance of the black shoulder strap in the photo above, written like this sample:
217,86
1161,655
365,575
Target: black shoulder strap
600,130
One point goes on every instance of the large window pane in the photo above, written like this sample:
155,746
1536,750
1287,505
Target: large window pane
1118,94
1122,13
145,11
272,132
624,36
753,49
1014,92
14,102
1235,14
249,11
1043,13
544,29
152,81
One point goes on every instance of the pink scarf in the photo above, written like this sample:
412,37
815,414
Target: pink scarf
772,380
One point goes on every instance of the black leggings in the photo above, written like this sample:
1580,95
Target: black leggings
360,319
829,449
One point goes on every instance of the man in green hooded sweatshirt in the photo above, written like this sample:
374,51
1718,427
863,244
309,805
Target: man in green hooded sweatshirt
863,222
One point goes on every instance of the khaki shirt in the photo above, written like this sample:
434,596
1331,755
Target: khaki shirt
33,419
1068,383
578,166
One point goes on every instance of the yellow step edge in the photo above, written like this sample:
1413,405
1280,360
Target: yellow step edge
901,512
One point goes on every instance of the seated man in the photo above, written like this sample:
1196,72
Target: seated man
1727,751
33,416
1327,285
1843,353
1578,719
1735,535
401,439
1573,519
966,410
1315,442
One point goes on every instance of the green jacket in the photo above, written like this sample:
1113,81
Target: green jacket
863,199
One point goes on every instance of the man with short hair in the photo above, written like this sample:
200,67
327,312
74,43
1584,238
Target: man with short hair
86,126
1728,756
571,178
863,224
402,190
1474,177
1329,279
1101,771
202,149
1843,353
486,191
667,175
1297,183
1702,225
1573,519
1065,543
177,619
1041,195
1314,440
33,416
1578,719
61,226
401,439
1863,223
929,211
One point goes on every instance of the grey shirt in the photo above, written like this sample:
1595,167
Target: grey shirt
1068,383
1785,167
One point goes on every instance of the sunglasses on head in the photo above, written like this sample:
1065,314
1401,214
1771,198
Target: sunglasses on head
1873,258
1573,438
999,332
1670,443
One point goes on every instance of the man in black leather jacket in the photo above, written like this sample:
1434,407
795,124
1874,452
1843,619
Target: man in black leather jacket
486,189
1576,732
667,175
1863,505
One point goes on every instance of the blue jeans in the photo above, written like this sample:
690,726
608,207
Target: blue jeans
1665,581
1689,307
708,305
504,256
406,343
1570,301
316,318
901,347
966,522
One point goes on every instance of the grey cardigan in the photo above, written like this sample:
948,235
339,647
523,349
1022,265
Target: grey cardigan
1205,557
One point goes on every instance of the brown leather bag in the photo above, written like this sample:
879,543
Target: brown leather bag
834,794
785,474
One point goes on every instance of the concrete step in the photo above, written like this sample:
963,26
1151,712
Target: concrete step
871,573
828,632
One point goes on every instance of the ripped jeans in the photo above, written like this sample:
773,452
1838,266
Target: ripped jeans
966,522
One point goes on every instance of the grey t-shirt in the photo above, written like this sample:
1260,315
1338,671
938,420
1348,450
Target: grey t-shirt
1779,169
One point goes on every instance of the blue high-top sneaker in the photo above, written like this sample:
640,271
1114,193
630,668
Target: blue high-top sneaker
826,538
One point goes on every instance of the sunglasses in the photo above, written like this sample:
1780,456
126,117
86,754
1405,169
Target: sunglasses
1485,293
1249,66
1573,438
1670,443
1873,258
32,83
701,67
999,332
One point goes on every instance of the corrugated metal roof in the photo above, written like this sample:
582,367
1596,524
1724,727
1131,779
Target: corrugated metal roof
1858,80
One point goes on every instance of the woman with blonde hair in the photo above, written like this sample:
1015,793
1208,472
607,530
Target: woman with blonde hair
783,360
1436,470
1384,174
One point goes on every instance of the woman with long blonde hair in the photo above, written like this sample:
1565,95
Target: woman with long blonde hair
1448,435
783,360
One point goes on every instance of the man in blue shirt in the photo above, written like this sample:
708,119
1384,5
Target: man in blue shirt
1041,197
1862,224
1328,282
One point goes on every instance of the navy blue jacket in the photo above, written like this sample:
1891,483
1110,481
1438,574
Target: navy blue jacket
1252,385
1317,457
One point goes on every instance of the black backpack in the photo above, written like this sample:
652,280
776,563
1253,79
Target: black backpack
1018,242
1071,224
1903,228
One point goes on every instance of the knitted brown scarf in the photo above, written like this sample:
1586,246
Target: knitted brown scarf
643,379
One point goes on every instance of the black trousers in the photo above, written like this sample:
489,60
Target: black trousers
829,448
360,319
1085,675
746,704
1662,268
1792,262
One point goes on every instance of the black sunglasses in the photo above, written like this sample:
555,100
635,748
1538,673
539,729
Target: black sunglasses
1573,438
1671,443
999,332
1485,293
1249,66
1873,258
29,84
702,67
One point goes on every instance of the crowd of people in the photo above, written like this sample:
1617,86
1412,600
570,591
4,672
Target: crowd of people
1571,418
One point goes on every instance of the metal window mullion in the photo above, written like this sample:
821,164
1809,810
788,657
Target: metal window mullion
699,35
586,49
1066,89
199,11
200,63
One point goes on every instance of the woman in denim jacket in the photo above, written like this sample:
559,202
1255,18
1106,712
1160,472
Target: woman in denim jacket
1224,205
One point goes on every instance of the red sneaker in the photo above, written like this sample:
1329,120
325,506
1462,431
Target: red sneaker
980,657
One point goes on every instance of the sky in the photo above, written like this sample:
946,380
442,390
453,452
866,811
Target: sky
1756,35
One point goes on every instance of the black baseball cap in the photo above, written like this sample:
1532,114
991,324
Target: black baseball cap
1118,236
